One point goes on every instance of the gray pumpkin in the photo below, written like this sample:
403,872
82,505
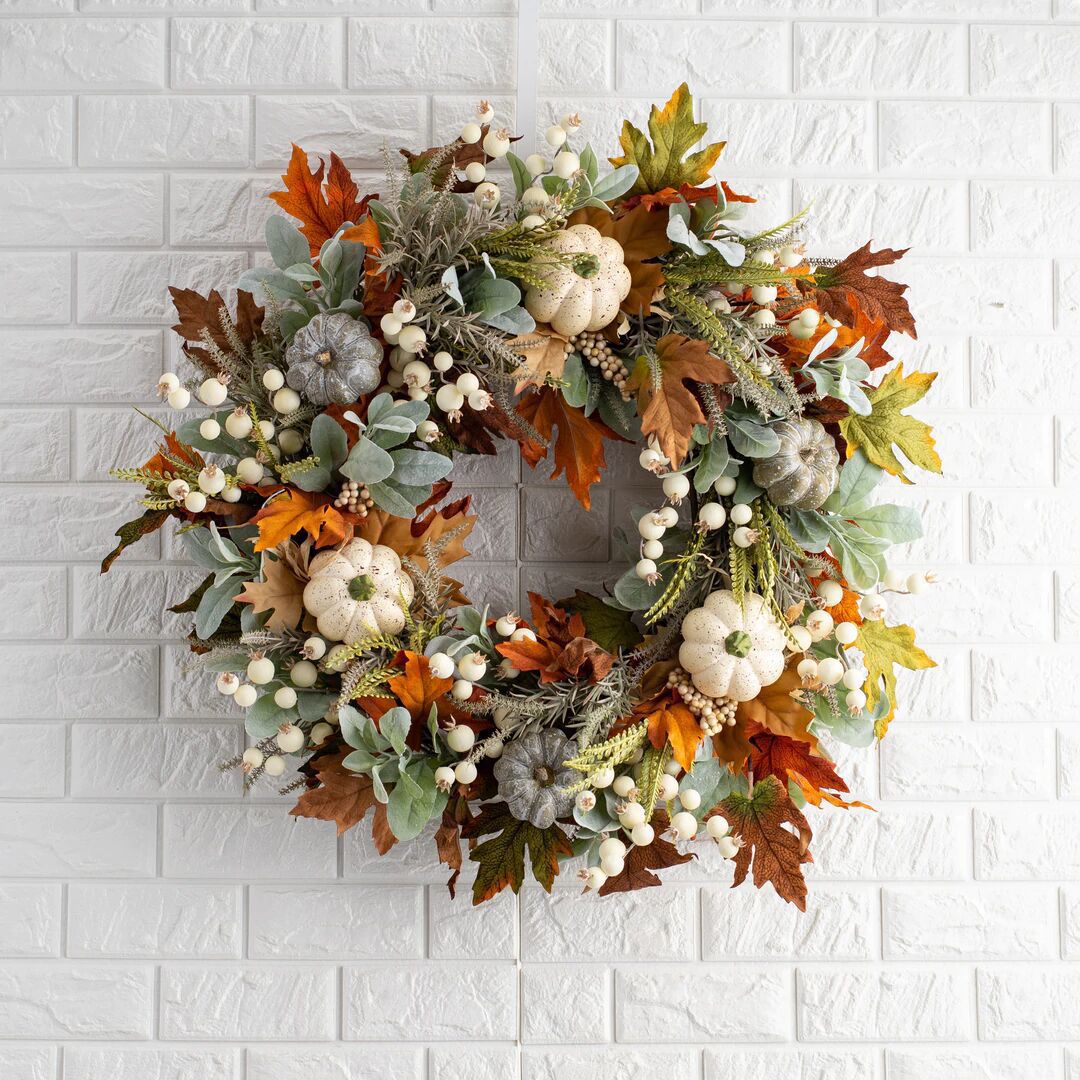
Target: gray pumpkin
333,359
531,776
803,472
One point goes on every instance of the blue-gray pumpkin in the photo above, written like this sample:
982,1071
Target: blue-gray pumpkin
334,359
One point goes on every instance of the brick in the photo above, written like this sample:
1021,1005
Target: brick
256,53
581,60
837,925
1026,529
133,287
1068,765
99,208
754,1009
82,53
39,595
109,760
108,437
994,678
1067,294
1037,1003
768,135
648,51
459,931
132,601
295,1003
340,1063
1067,146
36,130
880,59
970,1062
29,920
927,215
942,515
77,839
959,9
35,444
1068,605
476,1062
344,922
223,209
1014,217
600,1063
959,138
1068,450
344,124
1034,843
130,1063
171,921
41,753
1070,915
558,924
555,521
965,923
1025,61
967,765
494,537
36,1063
546,1018
439,1002
247,842
1051,368
138,130
37,286
438,53
915,1005
747,1064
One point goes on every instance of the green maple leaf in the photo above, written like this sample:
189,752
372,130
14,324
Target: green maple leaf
501,860
883,647
611,628
887,425
663,162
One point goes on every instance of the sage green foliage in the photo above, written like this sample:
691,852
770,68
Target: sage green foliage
232,561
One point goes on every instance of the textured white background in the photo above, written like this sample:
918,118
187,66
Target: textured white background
155,926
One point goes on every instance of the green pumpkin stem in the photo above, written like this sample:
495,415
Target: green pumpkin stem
362,587
738,643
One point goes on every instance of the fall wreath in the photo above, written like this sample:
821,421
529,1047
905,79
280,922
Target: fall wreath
483,300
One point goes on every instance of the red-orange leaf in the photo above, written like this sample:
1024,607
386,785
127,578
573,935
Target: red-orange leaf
322,212
641,861
578,448
294,511
674,723
417,688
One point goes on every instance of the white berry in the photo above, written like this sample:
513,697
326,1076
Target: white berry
274,765
461,690
260,670
603,778
245,695
505,625
285,697
685,825
249,471
195,502
612,848
212,392
741,514
717,826
179,398
846,633
210,429
227,683
566,164
290,738
712,515
642,835
555,135
830,671
464,772
273,379
831,592
676,486
690,798
211,480
623,785
460,739
303,673
725,485
820,624
645,569
441,665
286,400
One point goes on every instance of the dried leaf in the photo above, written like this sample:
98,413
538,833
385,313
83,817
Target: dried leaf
731,745
775,709
666,161
342,796
578,449
321,212
448,846
674,723
641,861
417,688
874,334
280,592
132,531
667,407
198,313
297,511
776,853
789,759
543,357
408,537
887,425
844,290
883,648
611,628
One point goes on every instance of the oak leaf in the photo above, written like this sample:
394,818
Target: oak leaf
342,796
845,289
321,212
501,860
543,357
280,592
665,161
408,537
674,723
776,710
643,237
640,862
577,450
887,425
775,853
883,648
667,407
295,510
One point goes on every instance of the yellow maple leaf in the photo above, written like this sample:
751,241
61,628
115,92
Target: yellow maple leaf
883,647
887,425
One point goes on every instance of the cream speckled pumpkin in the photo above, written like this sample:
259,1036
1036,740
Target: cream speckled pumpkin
732,651
570,303
358,590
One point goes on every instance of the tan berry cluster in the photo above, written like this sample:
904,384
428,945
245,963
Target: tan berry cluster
596,349
355,498
712,713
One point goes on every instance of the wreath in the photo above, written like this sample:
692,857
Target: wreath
482,300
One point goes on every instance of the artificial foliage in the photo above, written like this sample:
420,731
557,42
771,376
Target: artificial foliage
483,303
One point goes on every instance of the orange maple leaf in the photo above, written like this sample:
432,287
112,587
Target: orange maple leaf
579,447
296,510
417,688
322,213
674,723
171,445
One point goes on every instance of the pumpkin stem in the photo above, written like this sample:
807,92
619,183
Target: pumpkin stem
362,587
323,358
544,775
738,643
586,265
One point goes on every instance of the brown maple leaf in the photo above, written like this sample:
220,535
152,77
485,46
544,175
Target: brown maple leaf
448,848
578,449
417,688
845,289
775,709
321,212
775,853
790,759
342,796
641,861
667,407
643,237
280,591
295,510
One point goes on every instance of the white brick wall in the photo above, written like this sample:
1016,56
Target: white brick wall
155,926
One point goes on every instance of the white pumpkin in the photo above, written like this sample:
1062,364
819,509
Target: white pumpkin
358,590
732,651
571,303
